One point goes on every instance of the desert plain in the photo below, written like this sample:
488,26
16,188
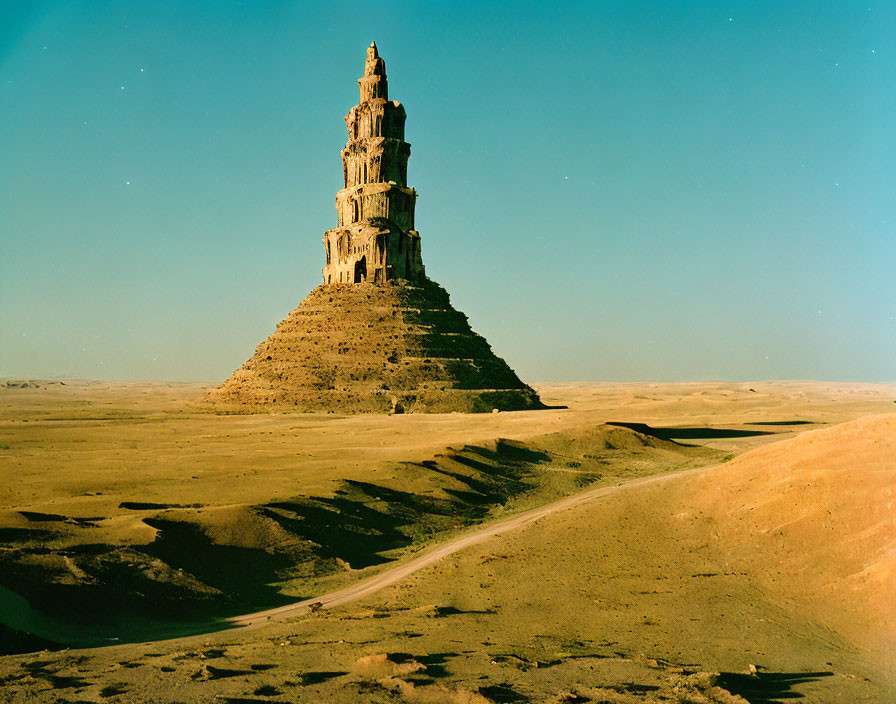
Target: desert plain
637,542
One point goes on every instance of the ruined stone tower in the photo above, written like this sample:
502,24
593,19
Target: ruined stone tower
375,239
378,335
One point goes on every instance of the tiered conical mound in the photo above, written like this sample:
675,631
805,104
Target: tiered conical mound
377,348
378,336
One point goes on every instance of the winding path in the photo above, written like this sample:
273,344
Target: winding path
373,584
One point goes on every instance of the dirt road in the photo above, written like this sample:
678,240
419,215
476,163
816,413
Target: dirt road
373,584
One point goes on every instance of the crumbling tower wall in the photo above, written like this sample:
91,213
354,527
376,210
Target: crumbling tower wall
374,240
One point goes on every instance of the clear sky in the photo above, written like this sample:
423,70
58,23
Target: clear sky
610,190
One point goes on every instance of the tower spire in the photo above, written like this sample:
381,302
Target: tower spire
373,83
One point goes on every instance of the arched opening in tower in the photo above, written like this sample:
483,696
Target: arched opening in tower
361,270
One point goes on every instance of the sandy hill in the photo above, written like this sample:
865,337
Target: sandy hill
174,566
396,347
816,516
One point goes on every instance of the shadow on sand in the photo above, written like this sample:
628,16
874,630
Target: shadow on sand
768,687
693,433
187,581
783,422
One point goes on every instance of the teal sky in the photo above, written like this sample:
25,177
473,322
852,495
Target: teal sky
610,190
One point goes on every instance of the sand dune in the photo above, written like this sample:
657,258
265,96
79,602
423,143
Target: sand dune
818,512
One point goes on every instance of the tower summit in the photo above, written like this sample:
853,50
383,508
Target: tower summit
374,239
378,336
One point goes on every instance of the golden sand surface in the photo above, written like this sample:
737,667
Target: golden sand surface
774,569
161,435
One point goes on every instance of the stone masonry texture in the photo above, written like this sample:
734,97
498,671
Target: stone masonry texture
378,336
